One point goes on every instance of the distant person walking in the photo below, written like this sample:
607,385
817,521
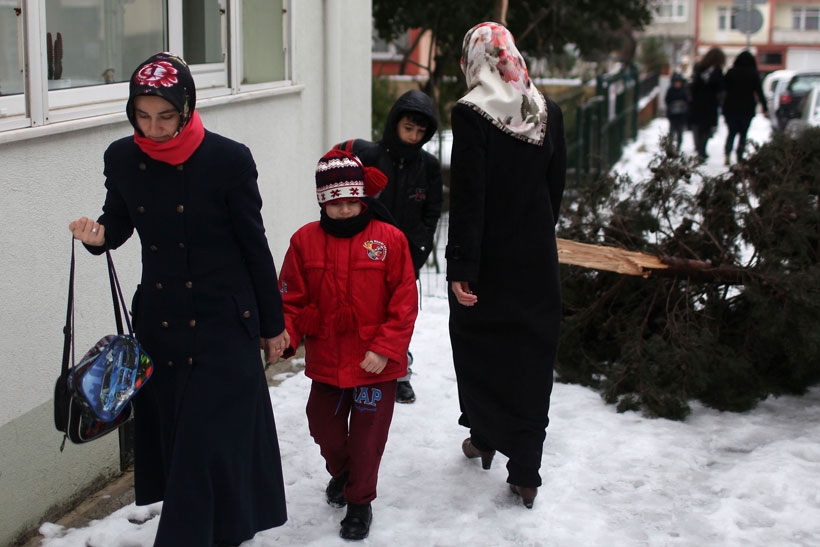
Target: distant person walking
743,91
509,162
707,95
677,108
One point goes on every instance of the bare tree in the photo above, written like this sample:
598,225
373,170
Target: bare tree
500,11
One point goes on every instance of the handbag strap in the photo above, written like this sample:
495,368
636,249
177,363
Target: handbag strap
116,297
68,332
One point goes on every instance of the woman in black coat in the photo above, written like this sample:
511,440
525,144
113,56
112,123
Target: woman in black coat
706,96
205,438
508,173
743,91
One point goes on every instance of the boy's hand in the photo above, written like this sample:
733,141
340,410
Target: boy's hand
373,362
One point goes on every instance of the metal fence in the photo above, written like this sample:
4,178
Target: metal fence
598,128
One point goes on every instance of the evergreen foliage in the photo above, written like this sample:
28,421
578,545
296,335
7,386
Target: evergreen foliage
383,95
653,56
657,343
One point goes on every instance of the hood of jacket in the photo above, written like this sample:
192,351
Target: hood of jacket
417,102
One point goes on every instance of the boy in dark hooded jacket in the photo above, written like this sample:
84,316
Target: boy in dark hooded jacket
414,189
677,108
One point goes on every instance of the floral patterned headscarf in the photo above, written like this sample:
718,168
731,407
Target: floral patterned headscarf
499,86
164,75
167,76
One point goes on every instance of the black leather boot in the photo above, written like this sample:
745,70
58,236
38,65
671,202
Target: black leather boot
335,491
356,524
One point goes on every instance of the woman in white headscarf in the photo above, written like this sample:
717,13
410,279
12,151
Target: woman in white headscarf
507,180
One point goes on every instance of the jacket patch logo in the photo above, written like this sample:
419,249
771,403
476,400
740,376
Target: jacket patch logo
376,250
419,195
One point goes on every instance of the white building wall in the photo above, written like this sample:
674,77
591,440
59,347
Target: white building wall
803,59
55,177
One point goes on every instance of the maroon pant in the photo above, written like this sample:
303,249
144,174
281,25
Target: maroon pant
350,426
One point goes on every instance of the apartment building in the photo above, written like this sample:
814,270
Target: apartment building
781,33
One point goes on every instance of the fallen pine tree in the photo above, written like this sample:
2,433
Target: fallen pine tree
672,295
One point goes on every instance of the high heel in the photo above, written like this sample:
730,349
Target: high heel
527,494
472,452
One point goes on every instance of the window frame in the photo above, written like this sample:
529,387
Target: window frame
38,106
673,6
800,15
726,15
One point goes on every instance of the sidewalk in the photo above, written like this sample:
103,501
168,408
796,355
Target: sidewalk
119,491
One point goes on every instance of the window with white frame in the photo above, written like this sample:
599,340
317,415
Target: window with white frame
382,49
81,53
806,18
726,18
671,11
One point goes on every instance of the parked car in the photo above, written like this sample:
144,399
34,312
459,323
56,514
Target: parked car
809,113
770,86
789,93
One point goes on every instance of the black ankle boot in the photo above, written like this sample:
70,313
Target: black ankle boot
335,491
356,524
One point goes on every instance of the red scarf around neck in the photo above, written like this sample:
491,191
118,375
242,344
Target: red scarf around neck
177,150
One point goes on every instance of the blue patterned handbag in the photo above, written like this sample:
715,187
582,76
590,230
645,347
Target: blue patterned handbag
110,374
93,398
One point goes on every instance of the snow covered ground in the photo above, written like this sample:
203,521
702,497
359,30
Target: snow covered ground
615,480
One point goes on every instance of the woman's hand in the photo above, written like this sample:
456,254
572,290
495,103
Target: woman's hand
463,293
89,232
373,362
275,346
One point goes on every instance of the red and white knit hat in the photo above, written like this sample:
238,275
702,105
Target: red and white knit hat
340,175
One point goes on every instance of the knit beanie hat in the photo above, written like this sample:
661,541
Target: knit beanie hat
163,75
341,175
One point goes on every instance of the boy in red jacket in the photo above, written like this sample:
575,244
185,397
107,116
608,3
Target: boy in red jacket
348,289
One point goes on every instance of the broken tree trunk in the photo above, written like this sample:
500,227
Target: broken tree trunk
613,259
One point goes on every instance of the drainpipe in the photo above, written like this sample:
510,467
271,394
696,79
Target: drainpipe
333,18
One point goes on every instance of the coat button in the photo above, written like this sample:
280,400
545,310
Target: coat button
141,210
159,286
181,245
164,324
188,284
153,248
170,363
192,323
142,166
246,314
180,167
180,208
190,360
